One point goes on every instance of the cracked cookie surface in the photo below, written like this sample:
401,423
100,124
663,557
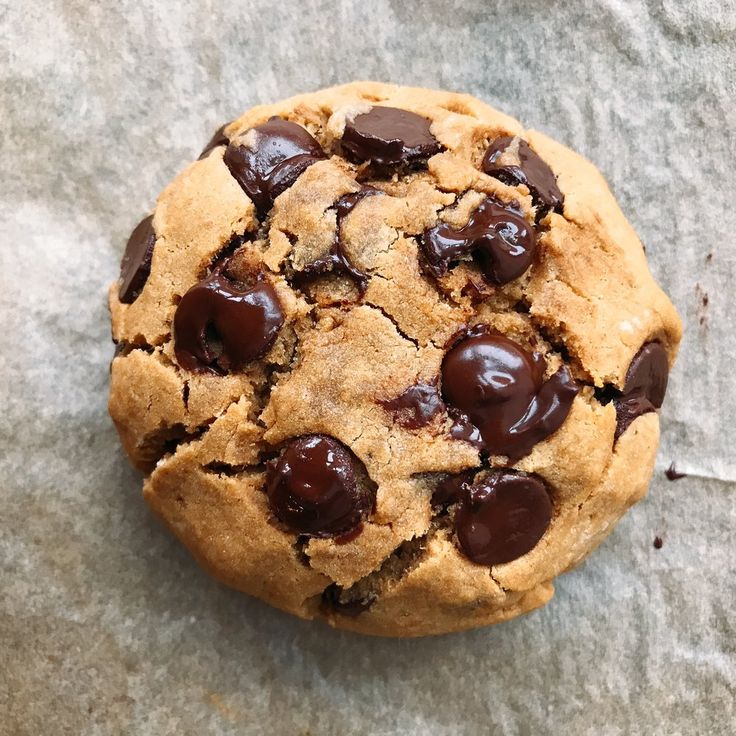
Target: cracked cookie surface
389,359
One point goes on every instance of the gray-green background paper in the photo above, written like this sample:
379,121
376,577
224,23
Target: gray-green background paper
106,624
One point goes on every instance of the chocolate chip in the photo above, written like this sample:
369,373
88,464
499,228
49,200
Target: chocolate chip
658,542
416,406
628,409
218,139
530,170
219,326
502,517
136,264
673,474
463,429
499,386
498,237
336,261
419,404
313,488
388,136
279,152
648,373
452,488
645,386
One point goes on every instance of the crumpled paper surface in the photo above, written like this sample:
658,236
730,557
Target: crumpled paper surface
106,624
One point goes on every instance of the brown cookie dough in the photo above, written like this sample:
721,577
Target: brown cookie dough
389,359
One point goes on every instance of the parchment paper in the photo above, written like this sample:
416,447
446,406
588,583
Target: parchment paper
106,625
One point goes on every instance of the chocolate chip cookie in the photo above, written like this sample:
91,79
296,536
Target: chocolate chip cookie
389,359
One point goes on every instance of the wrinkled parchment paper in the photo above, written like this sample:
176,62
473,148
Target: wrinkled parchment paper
106,625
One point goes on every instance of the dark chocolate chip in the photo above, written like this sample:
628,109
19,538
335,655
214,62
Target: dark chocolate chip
218,139
531,170
502,517
648,373
313,488
500,387
498,237
416,406
278,154
419,404
336,261
628,409
645,386
388,136
463,429
219,326
452,488
673,474
136,264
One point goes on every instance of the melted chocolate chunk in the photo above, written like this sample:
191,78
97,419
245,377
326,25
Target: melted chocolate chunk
313,488
388,136
281,152
673,474
219,326
452,488
498,237
628,409
648,373
336,261
136,264
502,517
218,139
417,406
531,171
500,387
645,386
463,429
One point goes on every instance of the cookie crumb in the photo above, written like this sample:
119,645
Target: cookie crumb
673,474
658,542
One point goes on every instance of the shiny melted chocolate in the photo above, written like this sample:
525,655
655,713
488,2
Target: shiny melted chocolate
136,264
281,152
645,385
313,488
219,326
502,517
416,406
531,170
388,136
497,236
499,386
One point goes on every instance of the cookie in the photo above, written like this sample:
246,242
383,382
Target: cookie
389,359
